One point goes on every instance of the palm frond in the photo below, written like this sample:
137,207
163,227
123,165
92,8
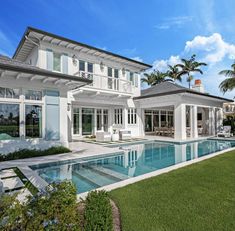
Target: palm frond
227,85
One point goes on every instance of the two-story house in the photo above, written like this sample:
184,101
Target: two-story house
58,89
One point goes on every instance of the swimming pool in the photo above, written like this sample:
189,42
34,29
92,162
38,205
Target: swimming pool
133,160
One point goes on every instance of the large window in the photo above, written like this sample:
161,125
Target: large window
57,62
9,93
9,121
33,121
132,116
118,116
33,95
81,65
76,120
110,80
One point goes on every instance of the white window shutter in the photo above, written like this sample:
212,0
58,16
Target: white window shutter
65,63
49,59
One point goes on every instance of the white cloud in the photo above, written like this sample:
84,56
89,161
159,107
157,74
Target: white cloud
174,22
161,65
137,58
213,48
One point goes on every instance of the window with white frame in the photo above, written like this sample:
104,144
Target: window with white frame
118,116
57,62
9,93
33,95
81,65
132,117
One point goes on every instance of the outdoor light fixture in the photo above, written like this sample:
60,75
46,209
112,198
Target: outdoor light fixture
68,106
101,66
74,60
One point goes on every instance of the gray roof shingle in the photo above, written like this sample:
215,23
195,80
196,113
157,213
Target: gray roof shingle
169,88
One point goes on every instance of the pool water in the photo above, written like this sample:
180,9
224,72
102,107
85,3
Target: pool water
137,159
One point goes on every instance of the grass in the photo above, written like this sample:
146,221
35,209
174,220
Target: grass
28,153
194,198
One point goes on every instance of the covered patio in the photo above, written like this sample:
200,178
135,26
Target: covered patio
173,111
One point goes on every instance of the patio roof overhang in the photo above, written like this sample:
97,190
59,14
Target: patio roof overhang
32,37
184,91
19,70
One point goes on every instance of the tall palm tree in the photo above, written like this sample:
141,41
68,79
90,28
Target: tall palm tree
190,65
154,78
229,83
148,78
174,73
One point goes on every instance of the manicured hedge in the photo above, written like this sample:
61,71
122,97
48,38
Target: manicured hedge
27,153
98,212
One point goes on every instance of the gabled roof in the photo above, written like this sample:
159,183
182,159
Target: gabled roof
9,64
36,35
170,88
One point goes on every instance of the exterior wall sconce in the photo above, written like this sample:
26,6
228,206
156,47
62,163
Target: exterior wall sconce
101,66
74,58
123,71
69,107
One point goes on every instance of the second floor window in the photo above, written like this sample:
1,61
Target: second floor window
81,65
116,73
110,72
57,62
90,67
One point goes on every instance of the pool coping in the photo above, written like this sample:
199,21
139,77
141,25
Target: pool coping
149,175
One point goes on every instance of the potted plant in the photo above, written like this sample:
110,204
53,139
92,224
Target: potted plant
115,136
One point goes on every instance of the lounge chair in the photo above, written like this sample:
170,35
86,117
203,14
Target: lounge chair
102,136
224,131
125,134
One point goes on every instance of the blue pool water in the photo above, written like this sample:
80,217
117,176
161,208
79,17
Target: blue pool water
137,159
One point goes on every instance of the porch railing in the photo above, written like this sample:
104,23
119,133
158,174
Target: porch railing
106,83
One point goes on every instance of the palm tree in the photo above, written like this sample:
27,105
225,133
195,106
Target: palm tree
189,66
154,78
229,83
174,73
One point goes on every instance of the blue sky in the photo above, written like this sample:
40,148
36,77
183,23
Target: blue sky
158,32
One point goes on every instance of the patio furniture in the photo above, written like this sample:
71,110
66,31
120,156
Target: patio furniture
115,137
125,134
224,131
102,136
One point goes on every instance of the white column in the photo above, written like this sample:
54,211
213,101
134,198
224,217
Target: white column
194,122
180,121
64,119
125,119
80,121
212,121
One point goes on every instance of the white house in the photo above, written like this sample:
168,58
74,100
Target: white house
57,89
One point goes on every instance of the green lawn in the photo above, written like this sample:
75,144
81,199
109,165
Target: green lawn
198,197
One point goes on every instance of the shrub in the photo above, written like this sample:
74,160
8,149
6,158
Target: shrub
53,209
27,153
98,212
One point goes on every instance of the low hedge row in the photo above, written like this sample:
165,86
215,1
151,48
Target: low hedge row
98,212
27,153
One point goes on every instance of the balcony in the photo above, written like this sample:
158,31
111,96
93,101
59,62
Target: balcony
106,83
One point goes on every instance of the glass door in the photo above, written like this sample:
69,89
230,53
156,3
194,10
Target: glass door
105,119
87,121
